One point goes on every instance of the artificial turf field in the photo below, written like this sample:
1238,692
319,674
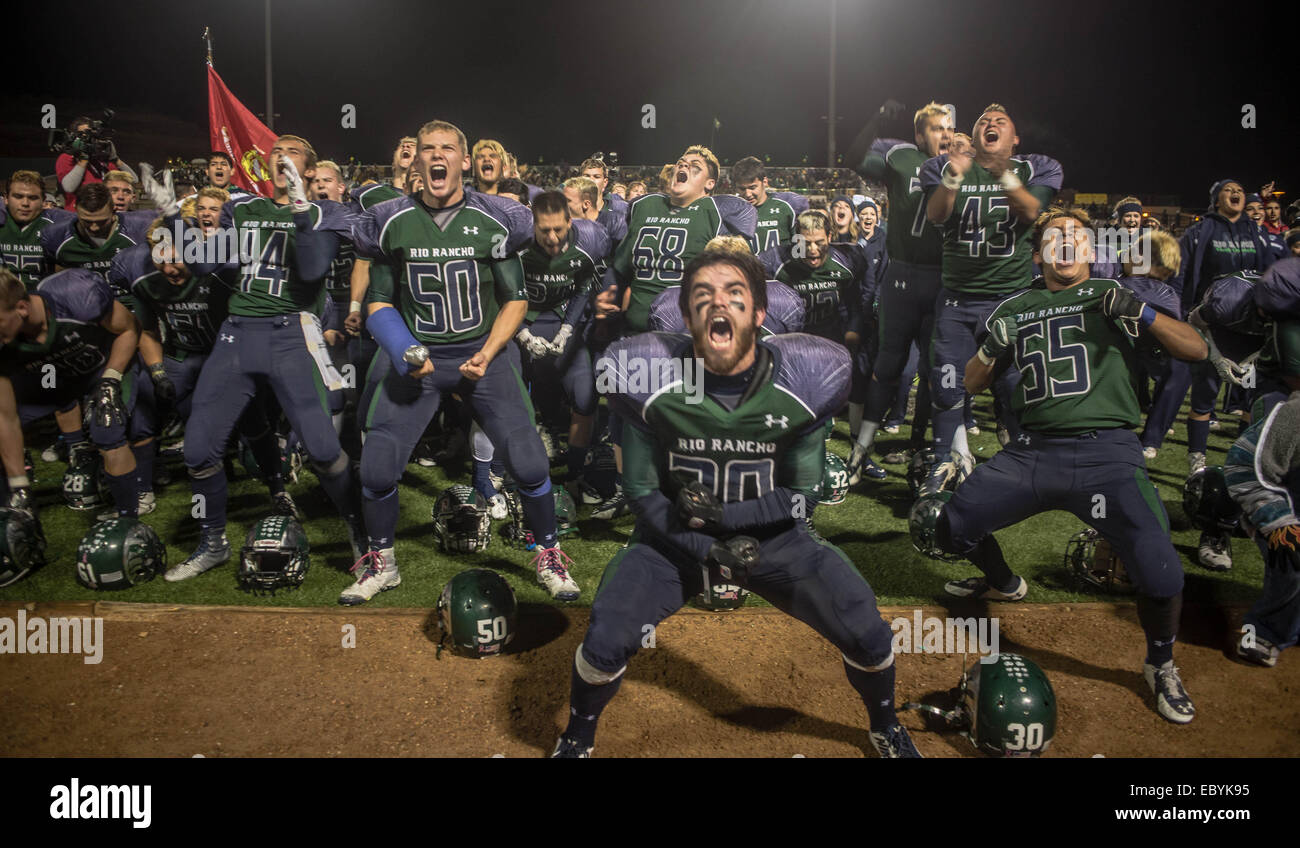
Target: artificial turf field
871,527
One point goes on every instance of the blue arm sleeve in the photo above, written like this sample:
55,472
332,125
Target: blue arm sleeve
388,328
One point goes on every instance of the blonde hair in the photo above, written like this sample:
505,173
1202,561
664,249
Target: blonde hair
586,187
332,165
306,146
218,194
1160,250
119,177
707,154
730,245
12,289
443,126
666,176
490,144
926,112
1054,212
190,207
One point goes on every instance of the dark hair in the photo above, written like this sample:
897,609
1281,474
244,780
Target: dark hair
93,197
510,185
551,203
221,154
747,170
747,263
369,173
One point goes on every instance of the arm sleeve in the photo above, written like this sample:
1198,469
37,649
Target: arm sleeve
654,512
798,473
1257,463
509,276
583,292
70,172
314,247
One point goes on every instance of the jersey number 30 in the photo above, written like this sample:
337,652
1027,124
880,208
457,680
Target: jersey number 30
741,479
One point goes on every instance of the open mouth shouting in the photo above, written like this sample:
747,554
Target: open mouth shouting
721,332
437,176
682,176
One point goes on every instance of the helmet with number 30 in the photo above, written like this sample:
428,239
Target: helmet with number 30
477,611
1010,706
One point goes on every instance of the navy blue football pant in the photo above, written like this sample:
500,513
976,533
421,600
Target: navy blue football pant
1276,614
960,325
1100,477
571,372
815,582
251,353
897,410
400,408
906,321
1204,383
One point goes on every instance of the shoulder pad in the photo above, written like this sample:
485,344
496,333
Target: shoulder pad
634,369
135,225
1278,290
797,201
368,227
932,171
883,147
1044,171
514,217
773,258
665,314
591,238
739,217
55,216
334,218
785,309
814,370
56,234
130,265
1154,293
76,294
850,256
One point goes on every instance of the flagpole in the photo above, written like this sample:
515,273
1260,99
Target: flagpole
270,109
207,39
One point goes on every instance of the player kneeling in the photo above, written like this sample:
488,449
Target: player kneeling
715,483
1072,339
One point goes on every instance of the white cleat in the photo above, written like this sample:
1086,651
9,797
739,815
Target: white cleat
552,566
1172,701
378,574
497,509
213,551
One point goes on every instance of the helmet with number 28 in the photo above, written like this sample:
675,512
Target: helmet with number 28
477,611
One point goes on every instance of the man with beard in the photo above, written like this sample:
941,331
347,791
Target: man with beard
1071,337
716,482
984,199
777,210
447,295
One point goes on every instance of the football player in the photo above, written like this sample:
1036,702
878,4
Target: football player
122,187
912,279
777,210
489,165
73,326
403,156
828,277
984,198
446,296
22,220
271,336
710,479
1071,340
92,238
221,172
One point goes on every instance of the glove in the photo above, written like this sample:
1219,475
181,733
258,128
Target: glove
107,403
1228,370
294,185
162,195
20,498
164,393
1002,335
1122,305
1284,547
735,557
535,346
561,340
698,507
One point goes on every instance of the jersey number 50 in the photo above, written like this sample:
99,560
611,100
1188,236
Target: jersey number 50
450,291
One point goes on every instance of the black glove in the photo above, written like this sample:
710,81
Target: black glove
1122,305
698,507
1284,548
20,498
164,393
735,557
107,403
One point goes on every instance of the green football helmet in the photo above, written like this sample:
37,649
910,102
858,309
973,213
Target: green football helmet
518,535
120,553
1009,707
477,612
719,595
83,484
460,520
1206,500
835,481
276,555
1092,560
922,523
290,462
22,545
918,468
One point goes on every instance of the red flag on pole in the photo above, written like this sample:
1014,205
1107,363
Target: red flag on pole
237,131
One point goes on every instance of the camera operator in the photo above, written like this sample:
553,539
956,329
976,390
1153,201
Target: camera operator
84,164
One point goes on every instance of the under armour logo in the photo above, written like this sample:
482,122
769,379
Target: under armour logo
227,338
575,263
949,302
693,208
1083,292
469,230
784,421
900,284
1023,439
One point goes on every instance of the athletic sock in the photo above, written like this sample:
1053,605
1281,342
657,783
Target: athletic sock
126,496
877,691
144,457
586,702
1198,435
1159,617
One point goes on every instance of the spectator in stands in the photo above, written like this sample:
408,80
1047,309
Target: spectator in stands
635,189
1293,241
1255,208
51,201
122,187
844,221
403,156
618,190
1273,217
78,168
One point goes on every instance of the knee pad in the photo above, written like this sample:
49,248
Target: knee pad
590,674
332,468
380,465
205,472
526,458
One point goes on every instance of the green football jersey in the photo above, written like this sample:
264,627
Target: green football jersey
373,194
553,281
21,250
776,220
741,453
910,237
1077,366
662,239
987,249
449,280
270,282
188,315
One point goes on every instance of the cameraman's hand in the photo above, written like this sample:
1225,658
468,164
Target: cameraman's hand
112,152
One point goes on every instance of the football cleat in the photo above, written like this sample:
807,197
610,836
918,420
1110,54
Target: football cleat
1195,462
1214,424
892,429
893,743
146,504
423,455
948,474
213,550
1172,701
552,566
612,507
1150,452
57,452
587,492
1215,551
497,509
1257,651
902,457
861,465
973,430
378,574
566,749
979,589
282,504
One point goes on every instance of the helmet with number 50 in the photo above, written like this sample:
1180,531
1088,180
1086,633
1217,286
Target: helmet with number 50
478,612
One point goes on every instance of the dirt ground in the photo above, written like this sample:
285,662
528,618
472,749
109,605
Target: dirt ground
176,682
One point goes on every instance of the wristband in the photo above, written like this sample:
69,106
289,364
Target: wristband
19,481
950,180
1010,181
984,357
111,374
1148,316
354,306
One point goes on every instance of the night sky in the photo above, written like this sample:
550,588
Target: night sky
1128,96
